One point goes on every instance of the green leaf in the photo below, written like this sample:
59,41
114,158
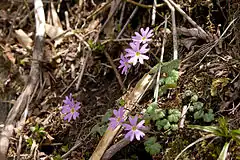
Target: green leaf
150,141
153,113
158,114
174,127
151,146
212,129
174,115
194,98
208,117
121,102
65,148
151,107
106,116
198,115
187,93
162,123
191,108
174,74
170,82
167,126
223,154
167,67
223,126
197,105
162,90
236,135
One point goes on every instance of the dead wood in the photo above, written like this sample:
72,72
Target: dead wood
34,75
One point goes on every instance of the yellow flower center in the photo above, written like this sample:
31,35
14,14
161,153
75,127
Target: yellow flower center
134,128
118,119
137,53
72,110
143,38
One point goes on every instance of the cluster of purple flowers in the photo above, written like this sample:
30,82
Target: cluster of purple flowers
134,128
137,51
70,108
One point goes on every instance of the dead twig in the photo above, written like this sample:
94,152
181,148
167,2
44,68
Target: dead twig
203,34
115,70
154,12
143,5
112,12
115,148
122,14
76,146
216,42
21,102
174,30
156,91
129,19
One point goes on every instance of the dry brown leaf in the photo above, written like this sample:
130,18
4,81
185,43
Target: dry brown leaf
188,42
23,38
9,54
193,32
53,32
93,25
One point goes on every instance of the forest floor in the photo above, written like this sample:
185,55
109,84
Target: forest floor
83,44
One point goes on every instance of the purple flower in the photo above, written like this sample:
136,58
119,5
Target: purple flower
136,53
144,37
124,64
134,128
70,108
118,119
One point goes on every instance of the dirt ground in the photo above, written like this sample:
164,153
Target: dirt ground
81,56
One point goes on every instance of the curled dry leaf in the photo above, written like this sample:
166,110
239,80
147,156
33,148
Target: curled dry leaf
23,38
53,32
188,42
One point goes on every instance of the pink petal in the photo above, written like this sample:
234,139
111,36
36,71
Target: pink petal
115,112
140,60
127,127
128,135
144,57
129,51
140,124
133,60
139,134
133,121
75,115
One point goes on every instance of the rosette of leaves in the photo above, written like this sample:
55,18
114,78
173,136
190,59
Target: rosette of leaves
170,121
174,115
163,123
197,108
151,146
168,82
154,113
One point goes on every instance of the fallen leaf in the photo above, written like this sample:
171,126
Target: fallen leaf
23,38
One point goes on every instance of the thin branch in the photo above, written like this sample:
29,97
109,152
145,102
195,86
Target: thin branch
203,34
143,5
174,30
115,148
129,19
161,60
154,12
